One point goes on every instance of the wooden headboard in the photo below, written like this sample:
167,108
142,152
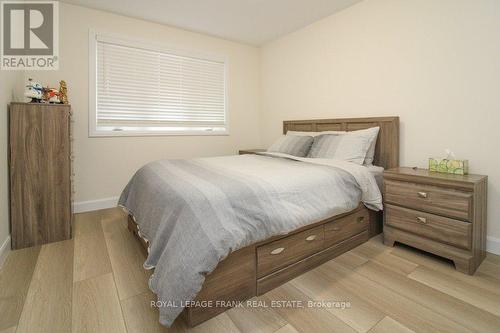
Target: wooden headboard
387,149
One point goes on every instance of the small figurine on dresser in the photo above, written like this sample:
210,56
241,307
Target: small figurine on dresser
34,91
39,94
51,95
63,92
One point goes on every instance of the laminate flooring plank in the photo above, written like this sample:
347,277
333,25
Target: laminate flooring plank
15,279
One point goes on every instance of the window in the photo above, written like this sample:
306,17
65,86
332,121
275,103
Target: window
138,89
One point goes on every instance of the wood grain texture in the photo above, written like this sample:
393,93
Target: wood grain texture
15,277
440,302
490,269
442,201
232,280
279,277
493,258
91,255
305,319
461,258
235,277
293,248
480,223
346,227
351,259
287,329
478,297
387,146
440,213
52,283
445,266
405,310
248,318
220,324
373,252
40,173
9,330
140,316
389,325
439,228
96,307
360,315
414,289
424,176
125,254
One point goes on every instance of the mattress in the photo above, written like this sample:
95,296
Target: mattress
195,212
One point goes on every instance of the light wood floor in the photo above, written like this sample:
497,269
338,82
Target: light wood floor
95,283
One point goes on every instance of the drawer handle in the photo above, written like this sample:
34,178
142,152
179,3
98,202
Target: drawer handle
422,194
310,238
361,219
277,251
422,220
336,228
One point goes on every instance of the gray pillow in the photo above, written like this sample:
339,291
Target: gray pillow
292,145
346,147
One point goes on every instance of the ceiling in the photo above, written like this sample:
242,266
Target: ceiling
252,22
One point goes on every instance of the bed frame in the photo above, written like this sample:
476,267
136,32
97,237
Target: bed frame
258,268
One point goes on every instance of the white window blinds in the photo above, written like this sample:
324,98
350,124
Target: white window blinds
144,89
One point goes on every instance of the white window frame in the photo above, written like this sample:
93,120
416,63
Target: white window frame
95,131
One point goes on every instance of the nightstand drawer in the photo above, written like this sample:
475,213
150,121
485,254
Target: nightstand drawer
443,229
433,199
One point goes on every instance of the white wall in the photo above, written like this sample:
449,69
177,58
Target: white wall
104,165
9,89
436,64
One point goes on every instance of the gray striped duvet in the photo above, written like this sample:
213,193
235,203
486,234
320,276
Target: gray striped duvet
196,212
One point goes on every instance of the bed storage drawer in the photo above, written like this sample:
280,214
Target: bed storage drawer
346,227
288,250
438,200
442,229
283,275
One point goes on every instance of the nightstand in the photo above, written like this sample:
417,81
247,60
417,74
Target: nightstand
250,151
444,214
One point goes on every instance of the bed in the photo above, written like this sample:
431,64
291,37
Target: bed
235,261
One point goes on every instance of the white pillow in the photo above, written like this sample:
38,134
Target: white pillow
371,134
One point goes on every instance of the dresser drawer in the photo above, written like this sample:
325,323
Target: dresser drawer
286,251
433,199
439,228
346,227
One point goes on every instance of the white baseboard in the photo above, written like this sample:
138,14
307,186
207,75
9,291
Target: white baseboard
87,206
493,245
4,251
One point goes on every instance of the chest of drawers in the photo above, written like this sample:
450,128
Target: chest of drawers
439,213
40,168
